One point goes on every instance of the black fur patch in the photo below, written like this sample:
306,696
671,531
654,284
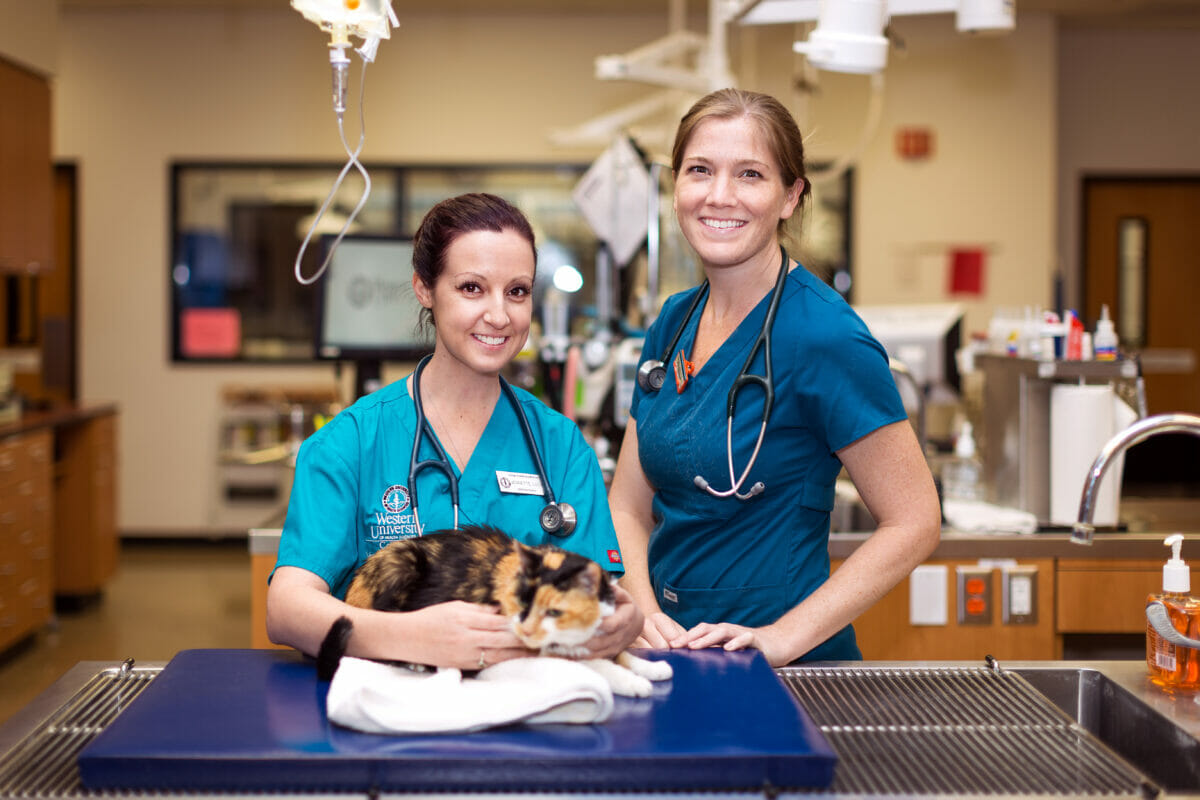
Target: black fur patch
333,648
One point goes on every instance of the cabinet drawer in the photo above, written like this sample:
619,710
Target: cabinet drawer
25,456
1106,596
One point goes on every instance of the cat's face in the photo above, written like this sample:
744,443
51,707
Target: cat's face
562,598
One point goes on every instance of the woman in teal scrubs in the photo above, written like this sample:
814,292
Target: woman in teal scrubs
473,271
753,572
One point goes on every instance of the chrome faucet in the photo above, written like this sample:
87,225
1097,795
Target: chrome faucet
901,369
1137,432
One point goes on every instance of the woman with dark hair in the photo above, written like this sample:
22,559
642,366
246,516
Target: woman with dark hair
356,489
722,506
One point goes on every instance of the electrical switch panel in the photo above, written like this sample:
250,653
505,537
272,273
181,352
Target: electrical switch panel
1020,597
974,595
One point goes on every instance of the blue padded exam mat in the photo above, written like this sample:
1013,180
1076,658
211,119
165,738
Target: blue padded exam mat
254,720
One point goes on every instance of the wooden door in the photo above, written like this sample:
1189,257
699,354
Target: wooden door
1169,212
1165,272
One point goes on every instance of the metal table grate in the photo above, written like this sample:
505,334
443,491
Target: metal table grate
43,764
954,731
897,731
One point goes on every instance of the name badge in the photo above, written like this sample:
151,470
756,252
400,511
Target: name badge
518,483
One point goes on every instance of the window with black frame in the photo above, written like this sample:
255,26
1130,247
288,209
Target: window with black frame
237,229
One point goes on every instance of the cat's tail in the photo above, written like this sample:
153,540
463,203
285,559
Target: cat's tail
333,648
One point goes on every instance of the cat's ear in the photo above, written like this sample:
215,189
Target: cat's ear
530,559
605,593
591,578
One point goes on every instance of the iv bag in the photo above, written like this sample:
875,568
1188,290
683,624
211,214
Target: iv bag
366,19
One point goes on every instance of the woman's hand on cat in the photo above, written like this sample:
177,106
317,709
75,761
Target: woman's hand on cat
658,631
735,637
466,635
619,629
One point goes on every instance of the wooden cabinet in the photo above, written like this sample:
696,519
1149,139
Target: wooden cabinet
1099,595
26,173
85,542
885,632
26,534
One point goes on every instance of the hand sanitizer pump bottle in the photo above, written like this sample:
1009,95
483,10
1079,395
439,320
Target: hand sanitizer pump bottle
1171,665
962,476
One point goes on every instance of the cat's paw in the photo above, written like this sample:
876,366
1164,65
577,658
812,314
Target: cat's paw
622,681
652,670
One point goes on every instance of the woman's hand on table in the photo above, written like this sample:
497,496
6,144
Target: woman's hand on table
658,631
736,637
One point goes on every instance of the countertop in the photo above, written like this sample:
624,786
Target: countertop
954,545
55,418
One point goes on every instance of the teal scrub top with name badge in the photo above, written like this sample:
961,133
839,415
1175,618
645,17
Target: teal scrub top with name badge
351,494
749,562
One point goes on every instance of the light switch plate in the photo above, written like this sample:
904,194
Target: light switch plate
927,600
1020,597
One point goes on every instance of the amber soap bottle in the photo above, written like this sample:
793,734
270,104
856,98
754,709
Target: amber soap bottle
1175,666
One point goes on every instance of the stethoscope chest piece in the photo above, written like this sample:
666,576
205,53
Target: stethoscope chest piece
651,375
558,519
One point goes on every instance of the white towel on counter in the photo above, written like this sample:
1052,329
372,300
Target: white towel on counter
385,698
976,516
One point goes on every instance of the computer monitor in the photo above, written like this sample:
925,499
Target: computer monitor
366,311
924,337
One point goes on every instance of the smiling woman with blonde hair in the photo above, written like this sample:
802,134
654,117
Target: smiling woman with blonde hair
723,488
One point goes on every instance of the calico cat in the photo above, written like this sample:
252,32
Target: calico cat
554,598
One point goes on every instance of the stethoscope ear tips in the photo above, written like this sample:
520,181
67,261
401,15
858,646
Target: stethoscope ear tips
558,519
651,375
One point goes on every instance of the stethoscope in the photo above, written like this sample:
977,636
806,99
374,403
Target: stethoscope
653,374
556,518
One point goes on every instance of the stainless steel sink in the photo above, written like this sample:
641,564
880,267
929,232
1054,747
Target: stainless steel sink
1156,746
936,730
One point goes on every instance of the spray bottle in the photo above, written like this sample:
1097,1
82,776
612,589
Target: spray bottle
1173,665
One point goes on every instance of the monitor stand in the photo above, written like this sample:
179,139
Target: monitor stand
368,376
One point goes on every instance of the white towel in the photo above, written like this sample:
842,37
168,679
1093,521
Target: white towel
384,698
974,516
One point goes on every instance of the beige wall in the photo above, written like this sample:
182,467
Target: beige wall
137,89
29,34
1128,106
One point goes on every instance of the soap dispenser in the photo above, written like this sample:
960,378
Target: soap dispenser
962,475
1172,665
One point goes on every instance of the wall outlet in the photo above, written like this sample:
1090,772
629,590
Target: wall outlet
974,595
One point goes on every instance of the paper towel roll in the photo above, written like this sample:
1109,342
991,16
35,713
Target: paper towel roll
1082,420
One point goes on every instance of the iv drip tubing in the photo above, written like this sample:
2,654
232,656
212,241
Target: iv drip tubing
351,162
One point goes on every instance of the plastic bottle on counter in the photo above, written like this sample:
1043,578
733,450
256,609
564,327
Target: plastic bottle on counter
1104,341
1171,665
962,476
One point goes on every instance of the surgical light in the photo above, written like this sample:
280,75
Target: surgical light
849,34
848,37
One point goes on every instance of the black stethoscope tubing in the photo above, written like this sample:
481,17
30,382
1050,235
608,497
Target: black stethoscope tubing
555,518
652,375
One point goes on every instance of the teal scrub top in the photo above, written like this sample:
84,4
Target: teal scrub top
351,494
749,562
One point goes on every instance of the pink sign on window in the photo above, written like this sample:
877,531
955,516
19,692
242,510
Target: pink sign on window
210,332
